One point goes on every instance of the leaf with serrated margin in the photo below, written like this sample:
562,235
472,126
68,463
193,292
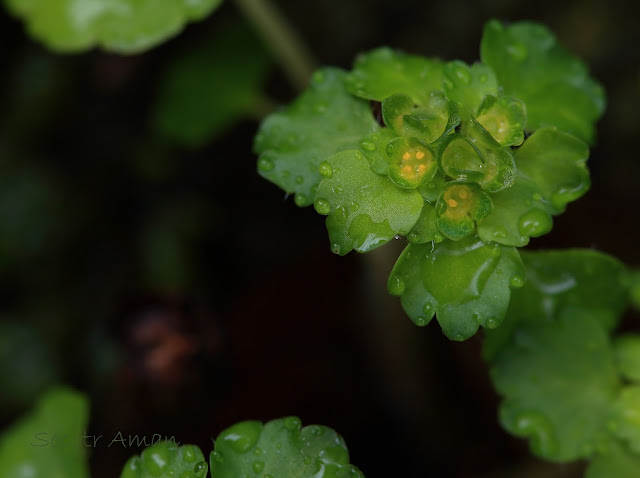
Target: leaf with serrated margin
322,121
364,209
383,72
281,448
465,283
554,85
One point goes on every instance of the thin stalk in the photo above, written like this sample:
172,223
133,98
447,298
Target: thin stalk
285,44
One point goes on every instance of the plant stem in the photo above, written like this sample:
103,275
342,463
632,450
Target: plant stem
285,44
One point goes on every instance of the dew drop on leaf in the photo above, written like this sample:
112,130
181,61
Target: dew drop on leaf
322,206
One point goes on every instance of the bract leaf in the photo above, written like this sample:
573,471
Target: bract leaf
503,118
281,448
466,283
383,72
559,380
365,210
322,121
48,441
123,26
468,85
166,459
551,173
554,85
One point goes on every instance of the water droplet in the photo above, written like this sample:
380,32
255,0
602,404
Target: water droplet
201,469
292,423
354,206
396,285
285,174
325,169
335,248
458,338
517,281
476,317
499,233
420,321
257,466
534,223
190,453
265,164
537,196
300,200
447,84
299,180
257,451
337,190
316,430
340,215
518,51
322,206
492,322
462,73
217,456
367,145
427,309
437,237
242,436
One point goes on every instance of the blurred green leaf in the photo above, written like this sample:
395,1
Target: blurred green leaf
281,448
560,279
365,210
322,121
466,283
383,72
48,443
123,26
627,352
551,173
624,418
559,381
468,85
614,461
166,459
207,89
554,85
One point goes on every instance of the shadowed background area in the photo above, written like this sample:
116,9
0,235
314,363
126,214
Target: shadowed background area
144,261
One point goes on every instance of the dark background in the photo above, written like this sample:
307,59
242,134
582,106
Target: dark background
183,293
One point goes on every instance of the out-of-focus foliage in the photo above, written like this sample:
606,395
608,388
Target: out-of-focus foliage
123,26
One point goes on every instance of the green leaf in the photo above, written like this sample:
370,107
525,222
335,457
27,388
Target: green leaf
627,352
208,88
554,85
324,120
614,460
560,279
48,441
281,448
466,283
559,381
123,26
374,148
166,459
365,210
468,85
551,173
383,72
624,418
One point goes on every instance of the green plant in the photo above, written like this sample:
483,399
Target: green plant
467,161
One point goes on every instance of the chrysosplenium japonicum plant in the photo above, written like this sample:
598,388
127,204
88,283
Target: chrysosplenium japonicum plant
467,161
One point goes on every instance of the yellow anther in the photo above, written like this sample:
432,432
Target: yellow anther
463,194
406,170
422,168
406,156
419,155
452,202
